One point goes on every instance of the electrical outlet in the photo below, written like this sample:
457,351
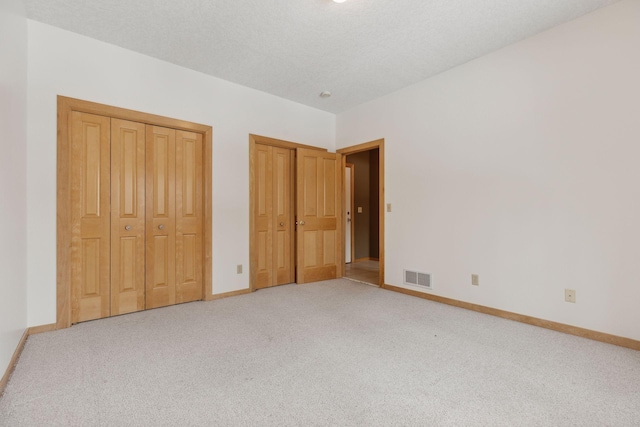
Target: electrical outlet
570,295
388,207
239,269
475,280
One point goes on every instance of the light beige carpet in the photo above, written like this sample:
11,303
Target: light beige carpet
329,353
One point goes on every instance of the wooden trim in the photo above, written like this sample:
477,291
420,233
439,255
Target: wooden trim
367,258
264,140
381,207
207,152
230,294
63,217
547,324
42,328
352,205
366,146
63,275
253,255
131,115
379,144
13,361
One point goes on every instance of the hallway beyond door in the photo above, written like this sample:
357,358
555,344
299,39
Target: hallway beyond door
364,271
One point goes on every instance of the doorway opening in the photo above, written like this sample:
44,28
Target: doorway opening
363,206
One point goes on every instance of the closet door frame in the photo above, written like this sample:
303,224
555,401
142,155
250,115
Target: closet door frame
63,216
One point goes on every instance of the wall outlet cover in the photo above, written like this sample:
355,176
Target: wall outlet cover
570,295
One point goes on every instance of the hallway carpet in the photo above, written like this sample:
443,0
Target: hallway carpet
333,353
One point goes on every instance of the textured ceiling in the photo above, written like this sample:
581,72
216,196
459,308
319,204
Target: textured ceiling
359,50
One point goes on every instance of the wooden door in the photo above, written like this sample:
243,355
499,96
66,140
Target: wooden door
274,219
127,216
189,216
90,216
318,210
160,280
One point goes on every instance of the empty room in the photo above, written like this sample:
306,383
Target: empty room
320,212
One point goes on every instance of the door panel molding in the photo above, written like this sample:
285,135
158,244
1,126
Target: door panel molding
344,152
68,105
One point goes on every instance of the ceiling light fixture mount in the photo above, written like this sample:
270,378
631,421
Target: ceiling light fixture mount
325,94
339,1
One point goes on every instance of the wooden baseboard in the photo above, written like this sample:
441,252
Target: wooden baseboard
548,324
228,294
14,360
42,328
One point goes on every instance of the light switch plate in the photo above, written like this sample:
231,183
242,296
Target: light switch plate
388,207
359,209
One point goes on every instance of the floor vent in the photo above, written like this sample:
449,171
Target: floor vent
417,278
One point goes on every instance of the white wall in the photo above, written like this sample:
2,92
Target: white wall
13,178
64,63
522,166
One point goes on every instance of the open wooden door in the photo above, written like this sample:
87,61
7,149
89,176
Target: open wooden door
318,213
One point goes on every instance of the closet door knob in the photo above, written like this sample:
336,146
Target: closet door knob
161,226
127,227
301,222
282,224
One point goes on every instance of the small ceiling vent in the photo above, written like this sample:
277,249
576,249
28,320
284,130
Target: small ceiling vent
418,279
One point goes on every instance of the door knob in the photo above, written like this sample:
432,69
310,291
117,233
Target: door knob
127,227
282,224
301,222
161,226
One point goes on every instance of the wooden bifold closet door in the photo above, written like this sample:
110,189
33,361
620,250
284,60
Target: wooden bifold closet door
136,216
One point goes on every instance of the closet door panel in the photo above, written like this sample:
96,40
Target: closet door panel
127,216
263,166
283,265
189,216
160,217
90,219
